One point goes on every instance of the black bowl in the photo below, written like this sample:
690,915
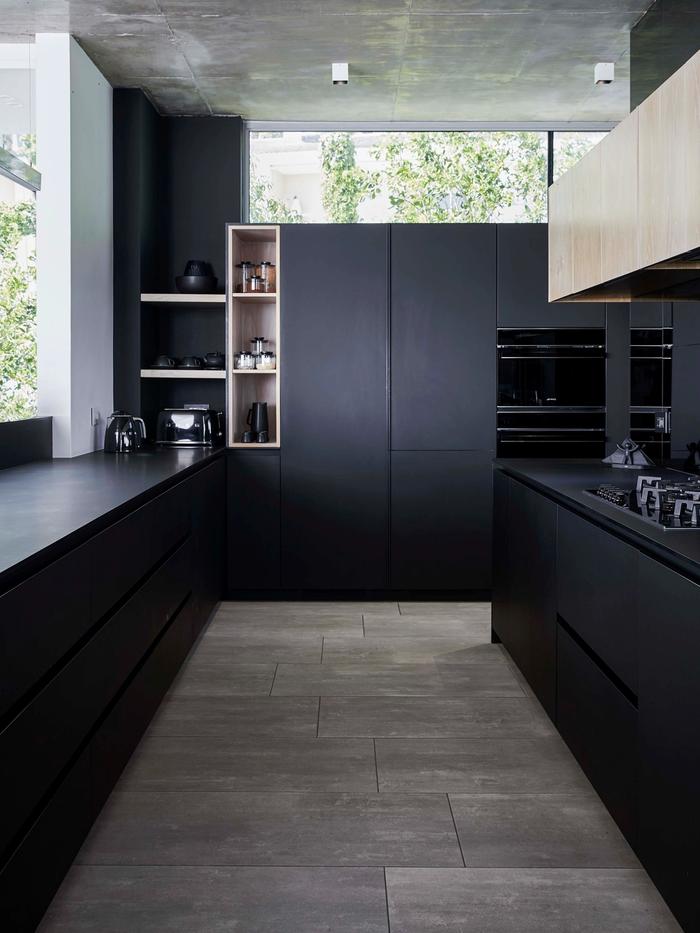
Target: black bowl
195,284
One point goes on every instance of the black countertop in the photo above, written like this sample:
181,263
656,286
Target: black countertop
565,480
49,506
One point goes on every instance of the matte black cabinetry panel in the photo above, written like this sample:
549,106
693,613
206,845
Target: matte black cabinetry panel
253,504
334,457
596,592
599,724
441,520
40,621
524,604
523,283
443,335
669,734
685,417
208,495
644,314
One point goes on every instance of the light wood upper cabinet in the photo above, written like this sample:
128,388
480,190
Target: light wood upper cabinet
623,221
669,167
619,200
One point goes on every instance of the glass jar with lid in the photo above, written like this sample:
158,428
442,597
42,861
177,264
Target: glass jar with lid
244,360
267,274
266,360
256,283
246,271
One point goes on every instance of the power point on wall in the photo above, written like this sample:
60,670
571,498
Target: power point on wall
94,417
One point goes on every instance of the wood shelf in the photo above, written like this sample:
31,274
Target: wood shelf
176,298
254,445
183,373
254,372
254,296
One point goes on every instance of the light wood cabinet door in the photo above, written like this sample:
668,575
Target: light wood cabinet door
561,255
586,228
669,167
619,199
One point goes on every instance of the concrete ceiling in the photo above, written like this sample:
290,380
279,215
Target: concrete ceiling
410,60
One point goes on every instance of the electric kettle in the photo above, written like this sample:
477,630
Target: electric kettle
124,433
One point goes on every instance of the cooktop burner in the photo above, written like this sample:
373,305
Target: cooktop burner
674,506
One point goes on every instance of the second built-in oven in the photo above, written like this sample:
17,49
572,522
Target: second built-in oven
551,392
651,352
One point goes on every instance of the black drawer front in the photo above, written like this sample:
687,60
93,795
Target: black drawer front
36,868
599,724
43,737
125,553
40,621
596,586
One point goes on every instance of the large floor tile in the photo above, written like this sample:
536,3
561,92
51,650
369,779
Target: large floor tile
549,831
472,766
413,626
255,764
515,717
215,675
525,901
259,629
395,680
449,610
249,649
377,650
219,900
236,716
309,607
274,829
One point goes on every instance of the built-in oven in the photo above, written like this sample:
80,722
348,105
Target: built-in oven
651,351
551,392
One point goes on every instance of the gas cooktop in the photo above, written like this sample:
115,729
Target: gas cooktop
669,504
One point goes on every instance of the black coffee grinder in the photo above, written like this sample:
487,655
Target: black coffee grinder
259,427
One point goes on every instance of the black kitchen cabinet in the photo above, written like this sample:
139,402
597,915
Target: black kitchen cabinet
443,336
599,724
524,598
685,417
596,593
208,539
650,314
334,458
441,520
523,283
669,713
253,504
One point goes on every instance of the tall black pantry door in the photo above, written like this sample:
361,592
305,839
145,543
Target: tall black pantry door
443,400
334,456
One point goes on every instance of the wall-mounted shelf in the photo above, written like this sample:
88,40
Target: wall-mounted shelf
175,298
183,374
250,315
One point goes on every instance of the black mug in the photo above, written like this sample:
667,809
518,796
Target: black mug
191,362
257,417
214,361
164,362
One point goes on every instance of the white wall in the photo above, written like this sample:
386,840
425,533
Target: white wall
74,243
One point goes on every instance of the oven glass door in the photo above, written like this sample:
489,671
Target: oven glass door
556,381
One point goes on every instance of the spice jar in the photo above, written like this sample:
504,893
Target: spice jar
267,274
266,360
244,360
256,283
246,273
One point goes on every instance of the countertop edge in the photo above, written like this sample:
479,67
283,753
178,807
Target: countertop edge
590,512
15,573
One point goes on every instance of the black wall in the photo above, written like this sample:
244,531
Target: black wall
663,40
177,182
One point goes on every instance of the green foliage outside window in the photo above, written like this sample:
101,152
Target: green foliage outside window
18,372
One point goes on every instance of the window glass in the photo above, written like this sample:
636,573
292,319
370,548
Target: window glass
398,177
18,381
569,148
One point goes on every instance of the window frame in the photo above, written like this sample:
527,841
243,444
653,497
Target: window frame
315,126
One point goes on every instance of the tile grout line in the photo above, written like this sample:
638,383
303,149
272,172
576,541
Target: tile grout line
364,634
323,644
454,823
274,676
318,717
376,766
386,898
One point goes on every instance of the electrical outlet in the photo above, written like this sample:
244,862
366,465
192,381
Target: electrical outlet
94,417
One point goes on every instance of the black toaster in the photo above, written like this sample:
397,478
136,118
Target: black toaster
190,427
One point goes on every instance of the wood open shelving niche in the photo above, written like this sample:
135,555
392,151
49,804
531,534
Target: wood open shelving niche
247,316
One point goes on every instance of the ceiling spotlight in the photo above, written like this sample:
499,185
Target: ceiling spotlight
604,73
339,72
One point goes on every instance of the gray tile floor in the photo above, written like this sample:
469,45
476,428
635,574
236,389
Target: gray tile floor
354,768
